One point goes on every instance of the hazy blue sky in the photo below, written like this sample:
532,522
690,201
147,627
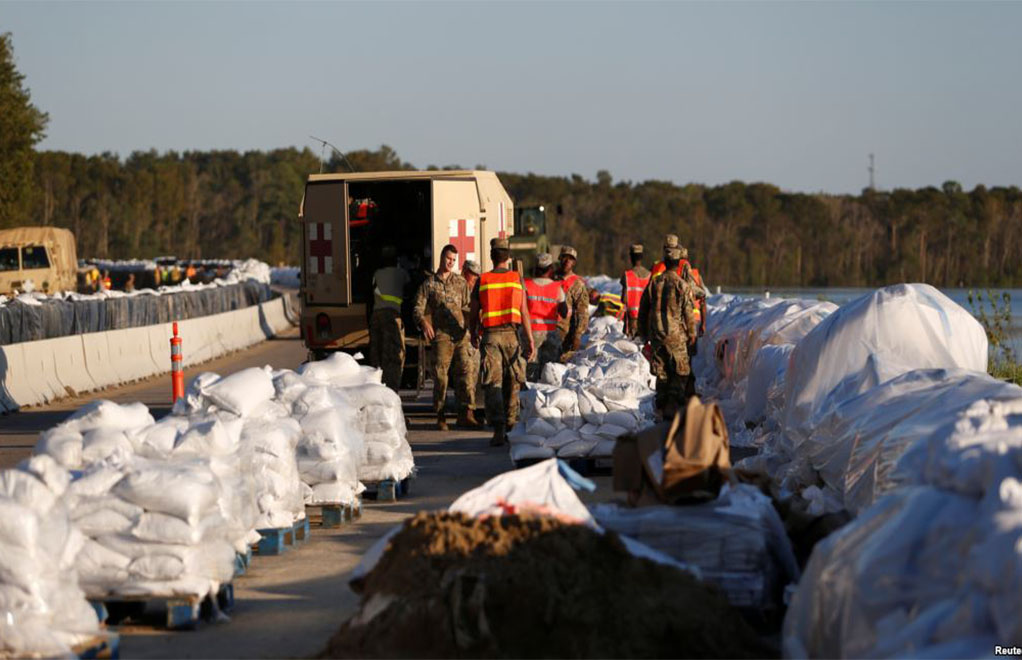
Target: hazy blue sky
797,94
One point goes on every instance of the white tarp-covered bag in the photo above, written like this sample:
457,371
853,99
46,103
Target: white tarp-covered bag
873,339
43,611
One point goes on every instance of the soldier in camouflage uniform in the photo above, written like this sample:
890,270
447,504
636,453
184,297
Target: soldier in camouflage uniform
440,308
471,271
576,323
386,329
667,321
498,304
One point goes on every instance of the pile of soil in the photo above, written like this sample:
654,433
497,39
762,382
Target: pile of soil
531,586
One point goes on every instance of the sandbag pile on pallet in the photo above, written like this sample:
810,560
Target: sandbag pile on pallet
737,542
580,408
43,611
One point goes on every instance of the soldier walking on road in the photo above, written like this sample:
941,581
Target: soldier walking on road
577,322
633,283
440,308
471,271
547,305
667,321
386,329
498,302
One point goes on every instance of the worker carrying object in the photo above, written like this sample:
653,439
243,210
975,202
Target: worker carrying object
667,320
441,307
386,329
547,306
577,321
633,283
498,304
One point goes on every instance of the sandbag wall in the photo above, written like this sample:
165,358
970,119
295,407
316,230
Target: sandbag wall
883,410
37,372
22,321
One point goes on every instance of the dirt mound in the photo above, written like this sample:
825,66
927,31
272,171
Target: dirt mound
530,586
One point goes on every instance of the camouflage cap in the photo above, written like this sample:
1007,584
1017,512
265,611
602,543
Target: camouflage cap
568,251
670,241
500,243
545,260
636,248
673,253
473,266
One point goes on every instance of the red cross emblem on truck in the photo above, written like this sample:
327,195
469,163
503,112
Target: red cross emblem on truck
321,248
462,234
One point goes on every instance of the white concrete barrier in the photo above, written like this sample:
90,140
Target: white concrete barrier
37,372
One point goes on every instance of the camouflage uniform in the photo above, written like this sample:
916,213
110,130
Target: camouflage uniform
573,327
446,302
386,328
387,345
503,374
667,320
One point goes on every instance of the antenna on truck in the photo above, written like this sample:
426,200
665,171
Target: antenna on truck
324,144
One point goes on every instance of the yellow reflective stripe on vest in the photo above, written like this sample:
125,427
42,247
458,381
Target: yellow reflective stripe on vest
500,285
394,299
501,312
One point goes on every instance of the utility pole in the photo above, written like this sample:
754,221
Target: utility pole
872,185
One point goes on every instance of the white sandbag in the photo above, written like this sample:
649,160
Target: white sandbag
583,446
623,419
767,369
19,526
561,438
334,492
339,369
187,490
101,443
605,447
288,386
551,415
611,431
539,426
240,392
109,416
62,444
49,471
159,440
164,528
205,439
563,399
194,400
524,451
553,373
26,489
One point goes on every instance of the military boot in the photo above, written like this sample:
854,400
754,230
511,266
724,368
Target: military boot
441,421
467,419
499,435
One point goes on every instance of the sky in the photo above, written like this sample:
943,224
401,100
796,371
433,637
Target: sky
797,94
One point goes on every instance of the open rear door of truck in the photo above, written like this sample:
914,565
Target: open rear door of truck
326,272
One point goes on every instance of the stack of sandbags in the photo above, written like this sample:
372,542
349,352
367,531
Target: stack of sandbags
43,611
96,432
154,528
579,409
384,452
737,542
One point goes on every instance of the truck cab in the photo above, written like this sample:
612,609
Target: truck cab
37,258
347,219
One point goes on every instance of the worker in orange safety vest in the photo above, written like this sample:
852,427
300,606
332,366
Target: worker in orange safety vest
499,305
547,305
633,282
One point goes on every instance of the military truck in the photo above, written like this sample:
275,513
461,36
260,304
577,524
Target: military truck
37,258
347,219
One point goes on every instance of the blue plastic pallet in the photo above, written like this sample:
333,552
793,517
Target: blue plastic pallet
388,490
182,612
277,541
335,515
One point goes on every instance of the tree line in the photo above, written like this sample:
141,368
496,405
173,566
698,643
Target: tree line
223,204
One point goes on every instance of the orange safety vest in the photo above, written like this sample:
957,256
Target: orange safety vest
500,297
107,284
569,280
633,295
542,305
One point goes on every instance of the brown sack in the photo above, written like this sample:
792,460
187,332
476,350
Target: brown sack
697,460
687,458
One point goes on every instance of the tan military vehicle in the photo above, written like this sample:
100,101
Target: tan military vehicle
37,258
347,219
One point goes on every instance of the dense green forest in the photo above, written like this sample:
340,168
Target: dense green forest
230,204
209,204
